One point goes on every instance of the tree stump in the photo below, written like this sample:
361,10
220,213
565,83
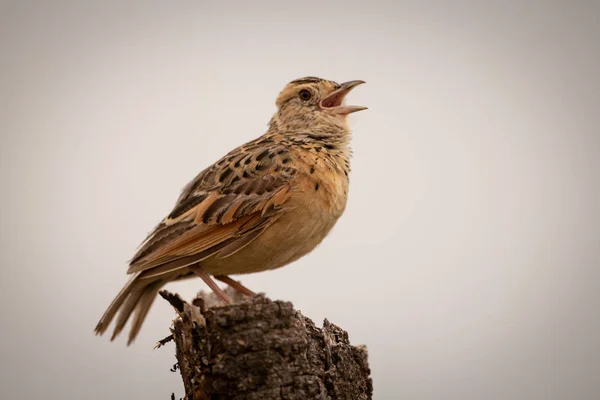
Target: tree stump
263,349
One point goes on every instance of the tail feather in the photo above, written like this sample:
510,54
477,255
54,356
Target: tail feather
136,298
126,310
111,311
142,308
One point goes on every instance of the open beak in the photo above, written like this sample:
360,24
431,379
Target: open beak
332,104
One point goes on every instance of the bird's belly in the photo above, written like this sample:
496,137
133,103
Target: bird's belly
297,232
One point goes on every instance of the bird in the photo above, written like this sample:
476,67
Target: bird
262,206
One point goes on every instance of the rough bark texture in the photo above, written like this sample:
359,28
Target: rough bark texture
263,349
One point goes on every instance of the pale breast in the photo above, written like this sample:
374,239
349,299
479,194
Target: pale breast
317,201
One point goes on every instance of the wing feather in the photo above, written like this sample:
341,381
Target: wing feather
221,211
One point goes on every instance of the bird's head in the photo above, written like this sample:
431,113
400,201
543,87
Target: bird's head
314,104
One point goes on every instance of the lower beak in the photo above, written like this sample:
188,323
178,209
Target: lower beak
332,104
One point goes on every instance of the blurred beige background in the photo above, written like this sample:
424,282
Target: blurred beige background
468,260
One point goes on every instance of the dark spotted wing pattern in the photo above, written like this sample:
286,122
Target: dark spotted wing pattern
223,209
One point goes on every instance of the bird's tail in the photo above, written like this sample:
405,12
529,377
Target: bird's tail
136,297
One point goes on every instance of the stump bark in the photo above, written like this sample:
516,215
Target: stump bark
263,349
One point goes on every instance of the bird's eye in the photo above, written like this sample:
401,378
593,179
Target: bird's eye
305,94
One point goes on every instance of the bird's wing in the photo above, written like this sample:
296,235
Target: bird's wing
223,209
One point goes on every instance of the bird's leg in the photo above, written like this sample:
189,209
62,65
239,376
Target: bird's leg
197,269
235,284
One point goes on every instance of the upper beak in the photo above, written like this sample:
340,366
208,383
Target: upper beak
332,104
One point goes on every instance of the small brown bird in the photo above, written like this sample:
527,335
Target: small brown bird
262,206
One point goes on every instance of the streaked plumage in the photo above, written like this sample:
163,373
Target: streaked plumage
262,206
